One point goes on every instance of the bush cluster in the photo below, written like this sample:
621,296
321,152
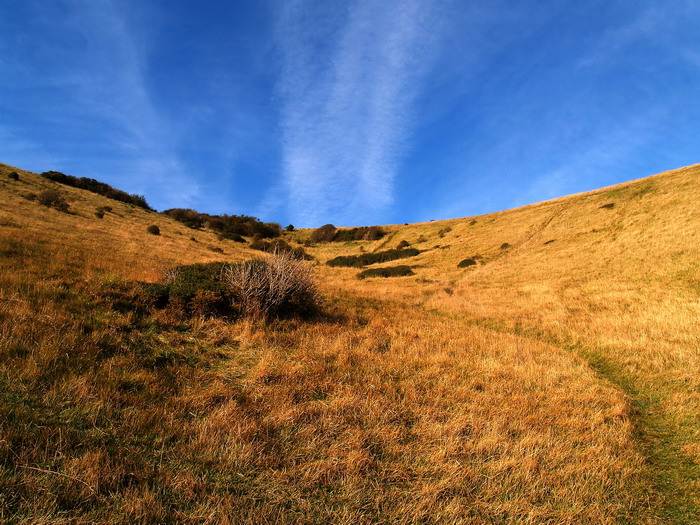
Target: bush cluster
280,285
323,234
390,271
228,226
98,187
358,261
279,246
53,199
329,233
13,175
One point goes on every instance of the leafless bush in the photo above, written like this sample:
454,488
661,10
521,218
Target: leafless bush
280,284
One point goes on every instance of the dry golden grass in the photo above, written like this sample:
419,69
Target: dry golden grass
505,393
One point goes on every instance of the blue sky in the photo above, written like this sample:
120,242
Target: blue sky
352,112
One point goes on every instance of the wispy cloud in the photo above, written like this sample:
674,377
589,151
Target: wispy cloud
348,84
97,82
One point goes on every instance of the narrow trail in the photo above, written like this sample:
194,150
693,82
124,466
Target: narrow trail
673,476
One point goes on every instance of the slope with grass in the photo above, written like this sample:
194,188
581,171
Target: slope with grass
515,390
611,275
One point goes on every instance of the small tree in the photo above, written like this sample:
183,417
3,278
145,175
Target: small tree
13,175
153,229
290,228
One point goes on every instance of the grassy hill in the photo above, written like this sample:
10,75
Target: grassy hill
555,380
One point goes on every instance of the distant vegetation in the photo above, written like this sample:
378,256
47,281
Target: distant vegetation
229,226
280,246
391,271
13,175
357,261
95,186
329,233
153,229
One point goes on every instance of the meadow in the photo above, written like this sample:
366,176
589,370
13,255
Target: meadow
555,380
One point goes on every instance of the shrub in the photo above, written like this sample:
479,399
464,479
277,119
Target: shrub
357,261
608,206
98,187
105,209
230,226
53,199
278,245
232,237
465,263
271,287
362,233
549,242
444,231
323,234
505,246
99,214
391,271
472,222
193,289
153,229
290,228
403,244
216,249
13,175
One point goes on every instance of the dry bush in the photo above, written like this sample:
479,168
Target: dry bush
53,199
153,229
280,284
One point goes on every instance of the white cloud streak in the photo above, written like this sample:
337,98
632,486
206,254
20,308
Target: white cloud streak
348,84
105,80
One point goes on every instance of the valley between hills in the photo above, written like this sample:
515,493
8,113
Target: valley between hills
535,365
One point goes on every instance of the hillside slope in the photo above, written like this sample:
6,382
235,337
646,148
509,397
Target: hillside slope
551,382
613,275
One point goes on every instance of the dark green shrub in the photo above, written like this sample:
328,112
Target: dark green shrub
232,237
357,261
323,234
193,289
13,175
99,214
153,229
362,233
505,246
290,228
465,263
280,246
403,244
53,199
95,186
230,226
391,271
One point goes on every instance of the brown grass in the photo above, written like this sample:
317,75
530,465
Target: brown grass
512,398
